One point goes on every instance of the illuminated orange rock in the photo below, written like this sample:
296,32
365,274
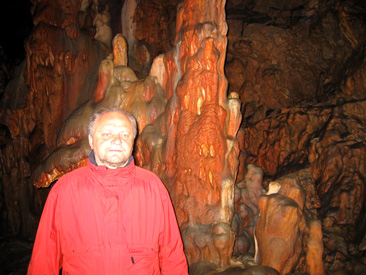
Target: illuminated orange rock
118,87
149,27
58,13
208,243
315,249
61,63
247,194
279,230
198,153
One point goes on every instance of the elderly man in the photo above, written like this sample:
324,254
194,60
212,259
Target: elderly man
110,217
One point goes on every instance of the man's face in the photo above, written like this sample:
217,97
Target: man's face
112,140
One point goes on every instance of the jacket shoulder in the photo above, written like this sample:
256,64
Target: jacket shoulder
67,182
151,179
74,176
77,173
146,174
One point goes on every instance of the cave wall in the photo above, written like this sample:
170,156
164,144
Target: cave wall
298,69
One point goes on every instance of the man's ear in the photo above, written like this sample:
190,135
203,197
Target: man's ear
90,138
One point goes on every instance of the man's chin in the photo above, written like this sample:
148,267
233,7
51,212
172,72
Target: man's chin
114,162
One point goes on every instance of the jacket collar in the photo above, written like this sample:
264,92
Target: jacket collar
94,162
107,176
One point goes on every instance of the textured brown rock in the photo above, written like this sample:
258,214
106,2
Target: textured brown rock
282,139
315,249
247,194
213,242
149,27
288,62
62,59
341,152
210,268
290,188
332,145
279,230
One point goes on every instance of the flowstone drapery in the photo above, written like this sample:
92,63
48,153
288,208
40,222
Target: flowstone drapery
197,152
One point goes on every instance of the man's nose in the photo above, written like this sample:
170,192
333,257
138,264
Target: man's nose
117,139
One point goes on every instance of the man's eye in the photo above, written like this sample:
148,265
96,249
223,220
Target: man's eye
106,135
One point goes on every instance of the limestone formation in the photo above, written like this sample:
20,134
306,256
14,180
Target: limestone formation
279,230
247,194
315,249
118,87
198,152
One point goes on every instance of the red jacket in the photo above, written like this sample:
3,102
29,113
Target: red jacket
108,221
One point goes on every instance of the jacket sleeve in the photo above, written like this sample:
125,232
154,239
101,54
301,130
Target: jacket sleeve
171,254
46,255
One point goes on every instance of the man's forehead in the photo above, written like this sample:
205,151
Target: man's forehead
113,118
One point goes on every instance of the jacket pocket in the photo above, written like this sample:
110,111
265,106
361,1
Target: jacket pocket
83,260
143,261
